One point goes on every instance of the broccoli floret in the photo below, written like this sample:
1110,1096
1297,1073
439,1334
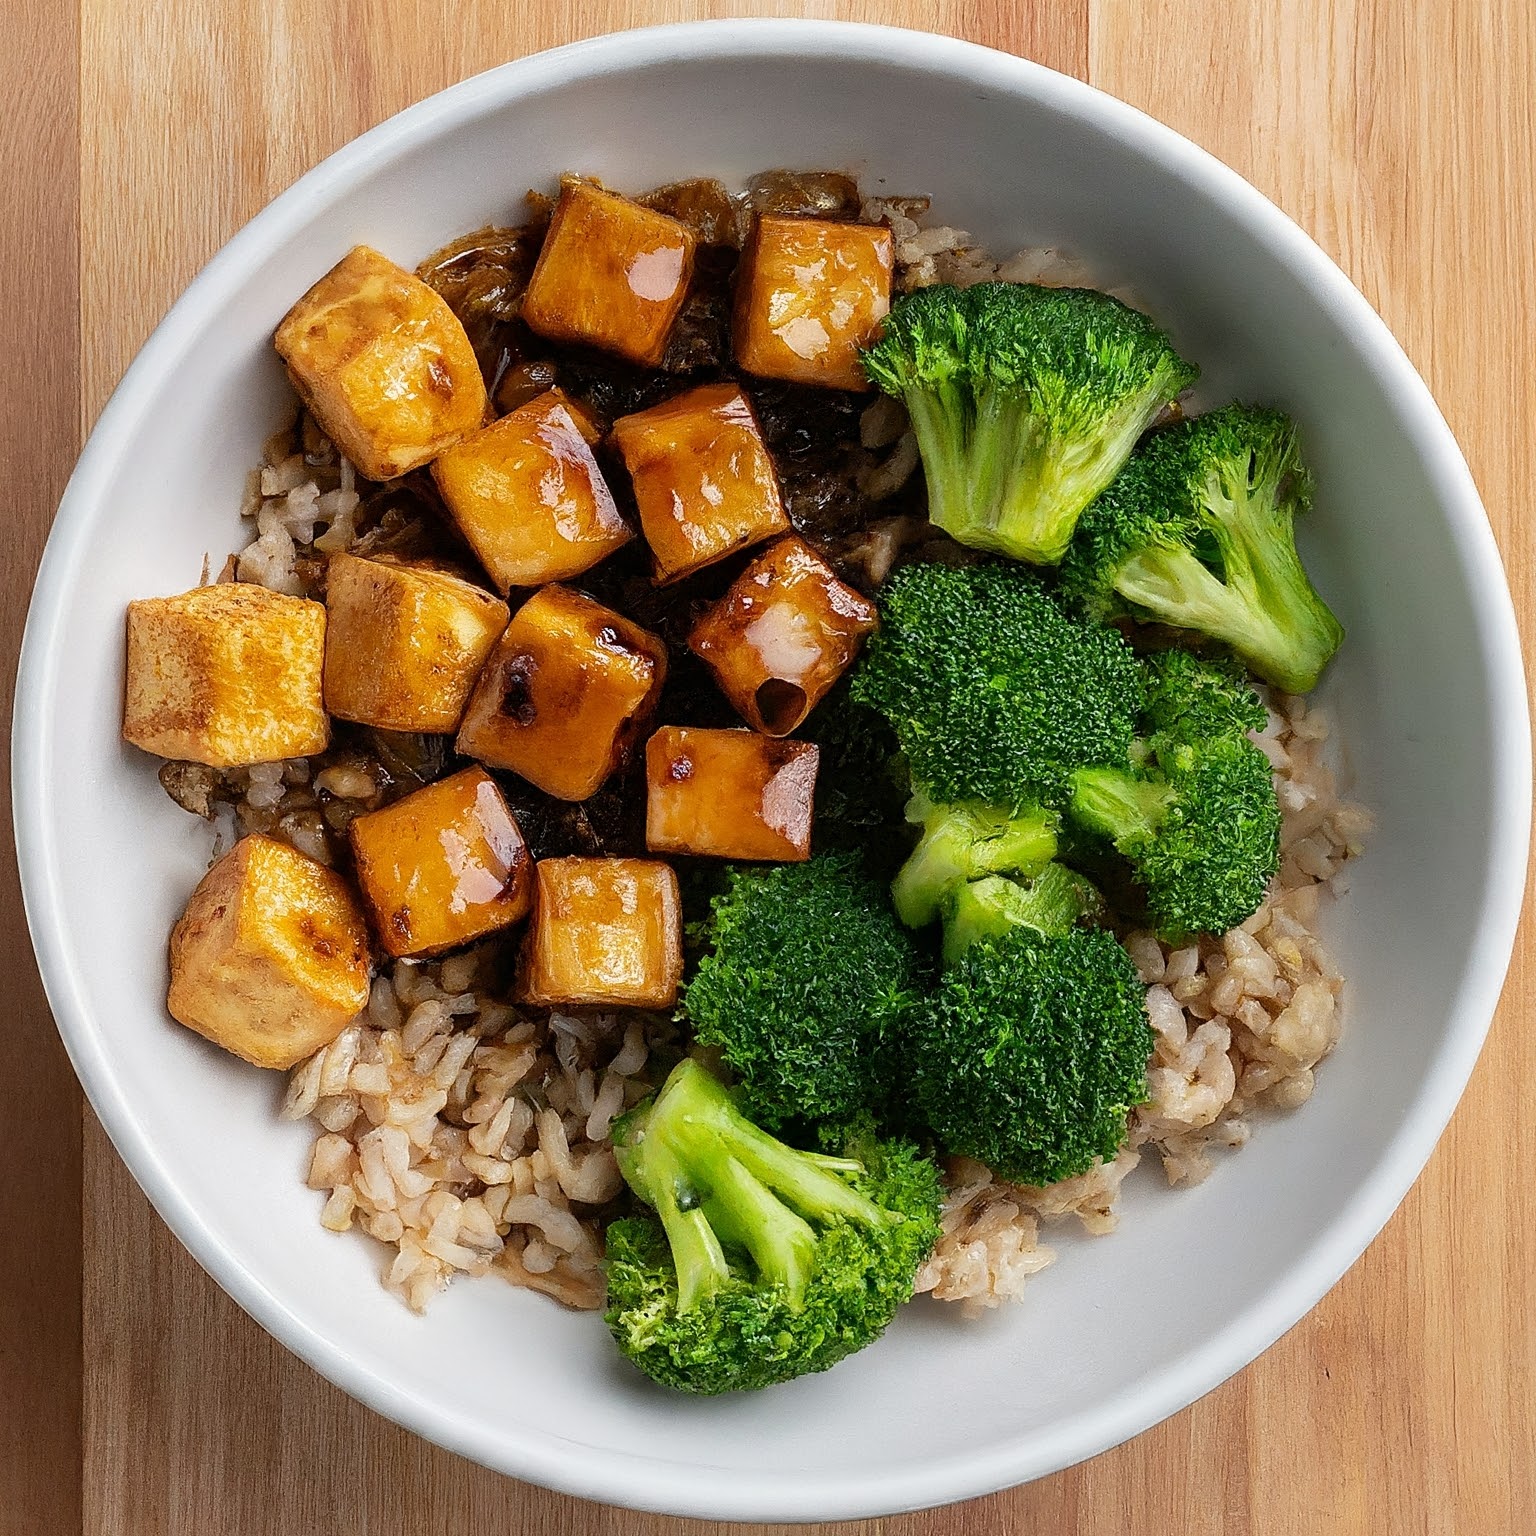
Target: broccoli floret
1199,531
1025,401
965,842
995,693
805,985
1196,815
1034,1049
1195,699
1053,902
1200,825
763,1263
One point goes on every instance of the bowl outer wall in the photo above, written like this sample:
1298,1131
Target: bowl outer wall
1104,1347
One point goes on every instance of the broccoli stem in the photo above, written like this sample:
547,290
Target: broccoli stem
962,842
938,416
712,1175
1256,535
1026,486
1008,510
701,1264
802,1180
1127,810
1052,904
744,1211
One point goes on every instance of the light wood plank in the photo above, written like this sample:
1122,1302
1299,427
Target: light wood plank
1401,136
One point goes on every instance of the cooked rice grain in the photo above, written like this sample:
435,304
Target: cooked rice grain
469,1138
304,494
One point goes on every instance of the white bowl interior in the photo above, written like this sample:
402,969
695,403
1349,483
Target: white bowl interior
1122,1330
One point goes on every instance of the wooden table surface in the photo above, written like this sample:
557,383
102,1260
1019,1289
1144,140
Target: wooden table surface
134,1397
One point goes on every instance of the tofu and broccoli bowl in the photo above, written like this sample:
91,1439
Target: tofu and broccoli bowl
757,759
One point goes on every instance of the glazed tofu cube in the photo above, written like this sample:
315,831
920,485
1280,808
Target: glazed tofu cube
528,495
404,643
383,365
809,294
226,675
605,932
566,693
782,635
731,794
270,959
703,480
444,865
611,274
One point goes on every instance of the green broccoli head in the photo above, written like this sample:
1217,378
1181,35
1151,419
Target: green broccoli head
762,1263
995,692
1025,401
1032,1052
964,842
1198,531
804,987
861,782
1195,699
1200,826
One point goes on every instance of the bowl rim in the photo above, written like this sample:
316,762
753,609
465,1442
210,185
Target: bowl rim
625,1478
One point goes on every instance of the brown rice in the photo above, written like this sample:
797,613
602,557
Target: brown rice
469,1138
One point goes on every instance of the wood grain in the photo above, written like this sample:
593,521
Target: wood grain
40,1209
1400,133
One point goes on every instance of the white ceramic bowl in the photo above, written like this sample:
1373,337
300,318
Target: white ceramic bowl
1429,690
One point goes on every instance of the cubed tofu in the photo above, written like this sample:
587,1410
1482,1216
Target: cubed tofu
611,274
730,794
569,689
605,933
809,294
270,959
786,630
227,675
383,365
404,643
444,865
528,496
703,480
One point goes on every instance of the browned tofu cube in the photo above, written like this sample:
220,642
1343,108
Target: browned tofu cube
809,294
270,959
383,365
567,692
605,932
611,274
226,675
404,643
732,794
782,635
444,865
528,495
703,480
